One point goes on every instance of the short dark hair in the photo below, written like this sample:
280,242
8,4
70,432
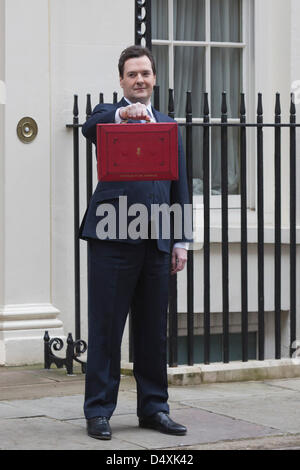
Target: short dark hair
133,52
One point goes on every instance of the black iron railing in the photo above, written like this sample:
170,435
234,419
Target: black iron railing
143,23
206,125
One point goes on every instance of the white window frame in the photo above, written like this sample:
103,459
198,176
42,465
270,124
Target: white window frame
247,47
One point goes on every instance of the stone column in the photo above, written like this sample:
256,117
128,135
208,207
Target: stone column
26,308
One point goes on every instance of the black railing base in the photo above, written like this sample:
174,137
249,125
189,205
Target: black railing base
73,351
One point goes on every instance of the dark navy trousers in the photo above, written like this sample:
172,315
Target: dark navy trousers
120,276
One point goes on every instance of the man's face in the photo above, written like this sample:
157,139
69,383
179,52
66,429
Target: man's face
138,80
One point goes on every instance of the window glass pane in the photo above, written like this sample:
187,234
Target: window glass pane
226,75
160,54
233,161
189,20
226,20
189,75
159,18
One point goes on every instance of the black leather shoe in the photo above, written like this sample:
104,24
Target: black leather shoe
99,428
163,423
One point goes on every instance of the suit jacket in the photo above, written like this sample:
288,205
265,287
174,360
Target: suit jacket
144,192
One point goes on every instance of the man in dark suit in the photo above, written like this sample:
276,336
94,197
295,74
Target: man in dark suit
126,272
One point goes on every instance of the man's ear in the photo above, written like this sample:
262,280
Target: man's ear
121,81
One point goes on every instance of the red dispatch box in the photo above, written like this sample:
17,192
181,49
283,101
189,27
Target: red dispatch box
137,152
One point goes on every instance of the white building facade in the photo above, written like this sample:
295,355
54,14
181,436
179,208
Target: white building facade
53,49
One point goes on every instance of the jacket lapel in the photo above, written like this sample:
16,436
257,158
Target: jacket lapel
156,114
122,103
159,117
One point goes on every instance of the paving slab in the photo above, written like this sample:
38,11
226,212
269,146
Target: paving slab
202,427
60,408
65,407
280,411
281,442
53,389
222,390
43,433
26,377
8,410
18,384
291,384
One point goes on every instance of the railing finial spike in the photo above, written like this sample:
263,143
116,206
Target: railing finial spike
188,108
75,107
224,103
292,106
277,105
205,105
171,103
69,338
88,105
46,336
259,105
156,97
242,105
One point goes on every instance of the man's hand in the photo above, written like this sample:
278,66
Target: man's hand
136,111
179,258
